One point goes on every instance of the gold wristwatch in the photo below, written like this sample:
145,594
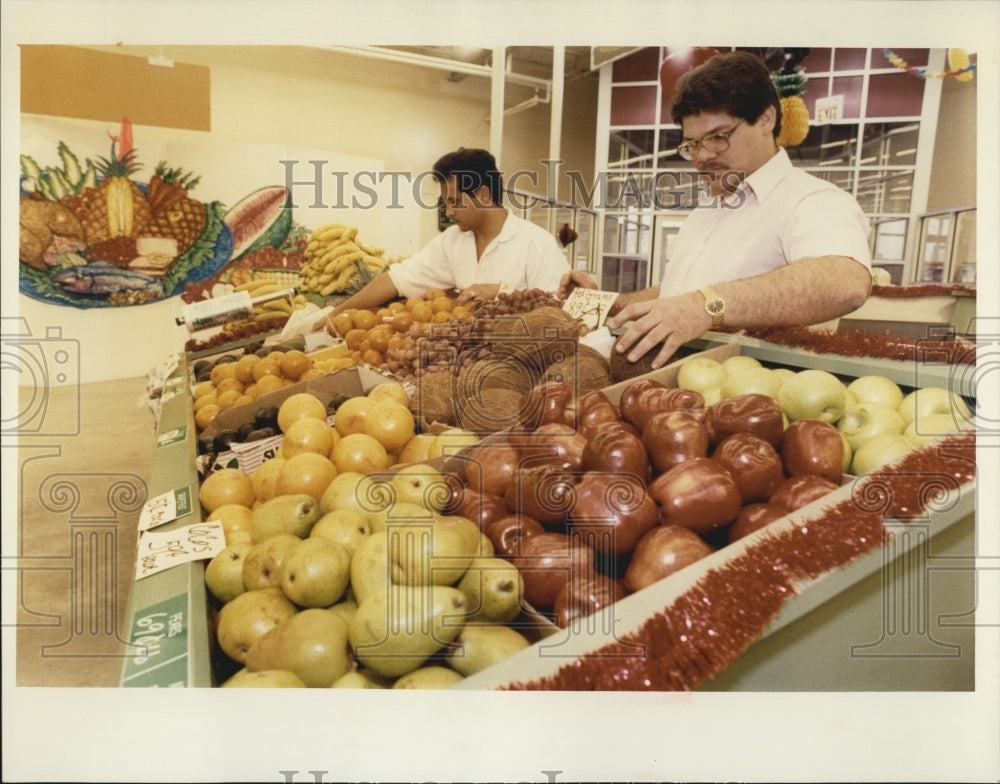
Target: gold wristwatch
715,306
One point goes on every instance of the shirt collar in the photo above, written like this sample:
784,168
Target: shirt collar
767,177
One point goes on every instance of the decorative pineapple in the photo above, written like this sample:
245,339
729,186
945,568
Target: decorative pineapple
116,207
791,84
173,213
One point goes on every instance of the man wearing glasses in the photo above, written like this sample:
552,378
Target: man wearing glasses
769,246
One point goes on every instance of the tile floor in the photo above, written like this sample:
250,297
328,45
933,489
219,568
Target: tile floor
81,482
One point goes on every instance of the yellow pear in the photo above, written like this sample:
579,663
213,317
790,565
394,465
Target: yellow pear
294,513
224,573
480,646
370,566
262,563
312,644
361,679
494,588
437,552
431,676
248,617
265,679
316,572
346,527
398,627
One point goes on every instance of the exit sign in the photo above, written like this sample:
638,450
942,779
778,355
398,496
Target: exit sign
829,109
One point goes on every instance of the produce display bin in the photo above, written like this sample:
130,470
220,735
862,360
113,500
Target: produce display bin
870,624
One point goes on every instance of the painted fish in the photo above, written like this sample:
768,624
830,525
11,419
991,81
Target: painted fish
101,278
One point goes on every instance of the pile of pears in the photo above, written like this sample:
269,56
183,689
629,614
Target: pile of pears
371,586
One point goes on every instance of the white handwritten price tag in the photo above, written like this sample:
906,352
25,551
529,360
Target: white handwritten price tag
590,306
164,508
506,287
159,550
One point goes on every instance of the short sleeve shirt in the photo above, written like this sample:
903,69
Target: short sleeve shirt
777,216
522,253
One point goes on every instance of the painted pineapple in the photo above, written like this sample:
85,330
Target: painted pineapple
791,84
173,213
116,206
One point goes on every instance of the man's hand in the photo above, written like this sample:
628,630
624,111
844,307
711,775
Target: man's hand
671,321
478,293
575,279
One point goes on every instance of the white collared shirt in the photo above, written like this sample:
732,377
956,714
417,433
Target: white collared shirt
777,216
522,253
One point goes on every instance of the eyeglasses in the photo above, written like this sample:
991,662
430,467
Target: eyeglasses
715,142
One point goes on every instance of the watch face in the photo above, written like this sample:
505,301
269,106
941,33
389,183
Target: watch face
714,306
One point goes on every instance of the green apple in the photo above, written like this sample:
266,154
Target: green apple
783,373
733,365
316,572
420,483
712,395
929,428
848,455
866,420
813,394
934,400
879,451
700,373
756,380
876,389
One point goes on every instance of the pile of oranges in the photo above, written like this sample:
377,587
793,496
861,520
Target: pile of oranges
369,334
236,381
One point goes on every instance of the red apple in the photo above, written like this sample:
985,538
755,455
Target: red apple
510,532
656,399
594,407
631,393
543,492
491,467
671,437
547,563
754,464
586,596
548,401
556,443
616,451
611,511
812,446
600,427
699,494
481,508
751,413
754,516
661,552
798,491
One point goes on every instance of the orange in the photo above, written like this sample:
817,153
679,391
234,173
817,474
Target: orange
415,450
371,357
295,363
441,317
343,323
383,315
412,302
245,366
301,405
361,453
314,372
396,343
227,399
203,388
204,400
396,307
235,520
251,390
269,384
354,338
243,399
266,367
227,384
461,311
442,303
306,472
226,486
402,321
422,312
390,390
203,418
378,338
223,370
433,294
364,319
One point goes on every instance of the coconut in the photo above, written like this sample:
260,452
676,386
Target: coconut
623,370
495,373
489,410
538,338
584,371
433,399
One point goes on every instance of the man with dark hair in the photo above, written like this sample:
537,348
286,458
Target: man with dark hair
486,246
770,245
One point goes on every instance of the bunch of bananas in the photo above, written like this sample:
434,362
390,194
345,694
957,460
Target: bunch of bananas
274,309
336,262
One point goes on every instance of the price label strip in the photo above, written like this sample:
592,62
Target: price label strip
172,436
590,306
165,507
161,550
160,637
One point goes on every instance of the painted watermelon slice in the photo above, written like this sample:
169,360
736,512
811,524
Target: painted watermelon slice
259,219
